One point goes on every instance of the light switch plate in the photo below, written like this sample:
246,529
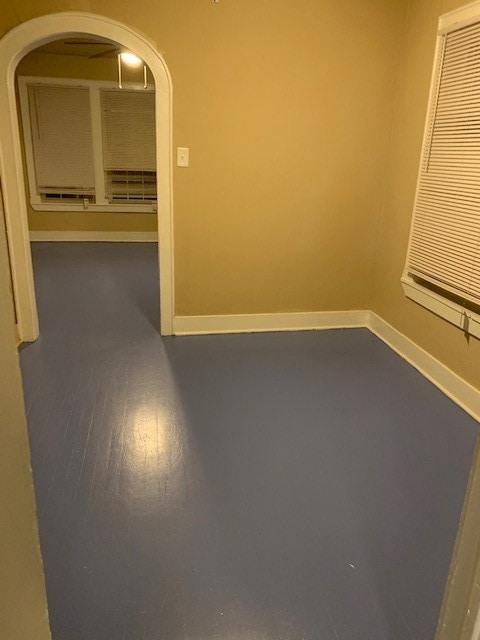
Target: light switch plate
183,156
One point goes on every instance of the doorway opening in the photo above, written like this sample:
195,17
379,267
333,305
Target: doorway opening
14,46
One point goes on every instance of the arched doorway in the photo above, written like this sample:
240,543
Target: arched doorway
13,46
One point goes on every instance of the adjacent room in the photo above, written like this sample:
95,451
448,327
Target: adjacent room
240,313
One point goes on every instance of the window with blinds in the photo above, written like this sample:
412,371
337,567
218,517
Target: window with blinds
444,249
128,138
89,145
62,142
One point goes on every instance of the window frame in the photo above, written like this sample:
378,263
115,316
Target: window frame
101,203
460,315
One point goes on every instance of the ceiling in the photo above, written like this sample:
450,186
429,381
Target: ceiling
59,47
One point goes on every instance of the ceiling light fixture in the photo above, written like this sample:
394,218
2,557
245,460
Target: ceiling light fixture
131,59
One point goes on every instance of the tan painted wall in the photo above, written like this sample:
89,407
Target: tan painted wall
286,107
438,337
289,139
56,66
23,607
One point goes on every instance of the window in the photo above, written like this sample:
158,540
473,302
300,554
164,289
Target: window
128,152
443,264
89,145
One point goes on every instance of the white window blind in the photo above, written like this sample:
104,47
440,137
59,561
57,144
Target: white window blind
445,239
128,137
62,141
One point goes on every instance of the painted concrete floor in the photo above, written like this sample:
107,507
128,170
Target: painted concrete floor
296,486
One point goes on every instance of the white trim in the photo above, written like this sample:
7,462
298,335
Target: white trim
454,313
27,141
96,123
452,385
252,323
441,376
476,629
13,47
458,18
93,236
432,96
53,207
83,82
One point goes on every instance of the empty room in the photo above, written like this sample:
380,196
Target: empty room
240,320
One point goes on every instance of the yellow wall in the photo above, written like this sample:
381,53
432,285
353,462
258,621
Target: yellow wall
23,607
286,107
57,66
438,337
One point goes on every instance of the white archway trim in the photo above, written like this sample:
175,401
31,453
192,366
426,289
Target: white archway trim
13,47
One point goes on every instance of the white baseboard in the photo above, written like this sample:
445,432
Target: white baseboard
253,323
452,385
93,236
441,376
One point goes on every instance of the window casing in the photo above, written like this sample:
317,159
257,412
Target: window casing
442,269
89,145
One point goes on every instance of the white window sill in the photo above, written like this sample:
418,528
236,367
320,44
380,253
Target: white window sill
465,319
92,208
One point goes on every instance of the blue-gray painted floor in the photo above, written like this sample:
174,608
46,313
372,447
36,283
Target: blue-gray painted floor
295,486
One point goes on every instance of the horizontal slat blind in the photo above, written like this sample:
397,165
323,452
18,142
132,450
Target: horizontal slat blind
128,135
445,242
62,140
128,130
131,186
